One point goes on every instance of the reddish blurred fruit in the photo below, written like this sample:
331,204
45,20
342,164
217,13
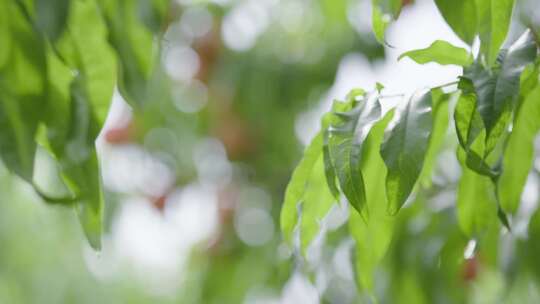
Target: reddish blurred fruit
470,269
120,135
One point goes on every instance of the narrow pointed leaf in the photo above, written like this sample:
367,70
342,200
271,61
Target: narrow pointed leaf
440,52
496,90
519,152
346,135
493,18
405,149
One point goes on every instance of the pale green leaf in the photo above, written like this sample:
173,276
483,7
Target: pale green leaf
460,16
297,186
316,202
440,52
383,12
476,204
372,236
519,152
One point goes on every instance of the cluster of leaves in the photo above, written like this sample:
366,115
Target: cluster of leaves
375,159
59,63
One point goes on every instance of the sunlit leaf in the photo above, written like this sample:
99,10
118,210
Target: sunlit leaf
461,16
440,52
519,152
476,204
316,203
493,23
405,149
297,186
372,236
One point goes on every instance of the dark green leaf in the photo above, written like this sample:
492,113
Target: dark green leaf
347,131
51,17
440,52
496,90
405,149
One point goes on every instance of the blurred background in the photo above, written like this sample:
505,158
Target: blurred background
194,183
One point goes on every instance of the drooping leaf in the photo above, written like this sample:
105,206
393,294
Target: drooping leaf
460,16
347,132
405,149
383,12
80,166
476,205
496,90
135,46
297,186
86,27
438,133
51,17
372,236
519,152
441,52
22,85
470,131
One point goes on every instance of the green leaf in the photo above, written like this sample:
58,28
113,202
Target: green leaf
297,186
80,166
496,90
519,152
5,36
347,132
460,16
372,236
98,65
438,133
405,149
135,46
22,85
316,202
470,130
440,52
383,12
476,204
51,17
493,18
532,245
